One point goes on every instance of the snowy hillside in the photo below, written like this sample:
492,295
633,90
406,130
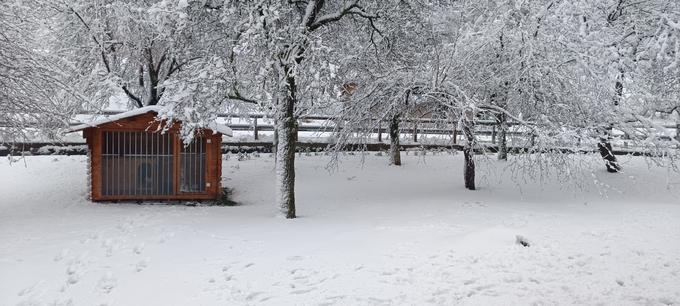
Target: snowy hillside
368,234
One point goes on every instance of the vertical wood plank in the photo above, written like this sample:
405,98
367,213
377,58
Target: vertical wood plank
96,163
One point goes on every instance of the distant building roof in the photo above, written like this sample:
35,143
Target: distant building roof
217,127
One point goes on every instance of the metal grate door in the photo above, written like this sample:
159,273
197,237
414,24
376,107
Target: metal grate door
137,164
192,166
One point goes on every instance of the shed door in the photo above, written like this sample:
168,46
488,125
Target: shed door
192,178
137,164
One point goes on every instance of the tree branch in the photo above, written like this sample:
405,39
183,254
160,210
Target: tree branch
351,9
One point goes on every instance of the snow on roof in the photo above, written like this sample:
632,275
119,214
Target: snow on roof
217,127
220,128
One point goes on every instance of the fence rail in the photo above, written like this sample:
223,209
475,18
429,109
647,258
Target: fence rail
412,126
409,126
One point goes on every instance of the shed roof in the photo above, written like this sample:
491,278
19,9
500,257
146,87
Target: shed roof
217,127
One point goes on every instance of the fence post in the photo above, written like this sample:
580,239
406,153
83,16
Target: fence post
255,129
379,130
493,134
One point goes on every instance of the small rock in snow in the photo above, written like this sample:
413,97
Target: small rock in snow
521,240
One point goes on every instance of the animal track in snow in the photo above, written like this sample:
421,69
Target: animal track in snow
138,248
61,255
75,270
110,246
29,289
142,264
72,274
303,291
107,283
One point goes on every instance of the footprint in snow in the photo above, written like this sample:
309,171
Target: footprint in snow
110,246
138,248
74,270
61,255
107,283
29,289
303,291
165,237
142,265
72,275
469,282
253,295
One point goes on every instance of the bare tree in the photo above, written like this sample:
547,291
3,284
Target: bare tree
132,48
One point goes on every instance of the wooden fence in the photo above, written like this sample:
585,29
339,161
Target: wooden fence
260,123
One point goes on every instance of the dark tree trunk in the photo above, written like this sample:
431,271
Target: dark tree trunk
255,129
153,79
285,152
468,150
502,137
605,148
395,155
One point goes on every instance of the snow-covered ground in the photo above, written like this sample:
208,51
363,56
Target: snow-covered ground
368,234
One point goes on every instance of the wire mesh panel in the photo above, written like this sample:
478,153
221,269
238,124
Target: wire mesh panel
192,166
136,164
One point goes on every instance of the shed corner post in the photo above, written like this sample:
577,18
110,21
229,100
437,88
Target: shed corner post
94,139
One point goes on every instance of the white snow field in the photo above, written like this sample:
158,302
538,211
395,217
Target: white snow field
367,234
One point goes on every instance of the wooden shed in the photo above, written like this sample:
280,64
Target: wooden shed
132,158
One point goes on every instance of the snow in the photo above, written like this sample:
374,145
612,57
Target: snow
220,128
368,234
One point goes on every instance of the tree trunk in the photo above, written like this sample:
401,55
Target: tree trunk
395,155
255,130
609,158
502,137
285,151
468,149
605,148
153,79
